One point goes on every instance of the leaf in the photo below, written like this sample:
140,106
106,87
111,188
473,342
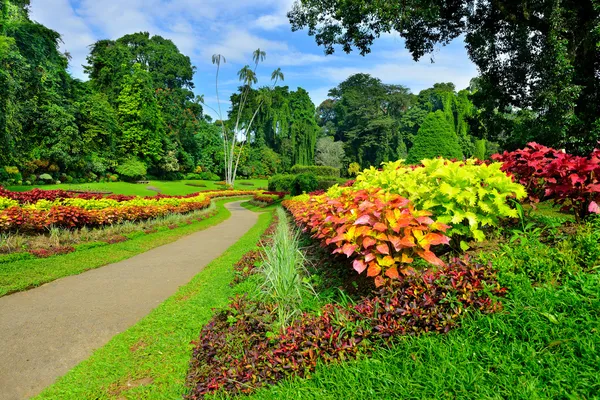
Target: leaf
364,220
430,257
380,227
359,266
386,261
379,281
464,246
392,273
406,259
373,269
348,249
383,248
368,242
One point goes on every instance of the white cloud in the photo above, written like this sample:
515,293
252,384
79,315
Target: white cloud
271,22
416,76
238,45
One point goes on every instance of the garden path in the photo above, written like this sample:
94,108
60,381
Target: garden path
46,331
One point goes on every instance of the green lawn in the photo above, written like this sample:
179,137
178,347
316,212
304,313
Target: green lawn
150,360
166,187
25,274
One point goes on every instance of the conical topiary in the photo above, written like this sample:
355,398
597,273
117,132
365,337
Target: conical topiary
435,138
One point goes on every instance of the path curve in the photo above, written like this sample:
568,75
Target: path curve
46,331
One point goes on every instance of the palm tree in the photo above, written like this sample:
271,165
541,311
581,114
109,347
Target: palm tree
248,77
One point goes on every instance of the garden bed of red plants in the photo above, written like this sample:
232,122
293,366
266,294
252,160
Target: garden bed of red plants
237,352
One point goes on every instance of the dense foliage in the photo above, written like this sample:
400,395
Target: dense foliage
548,174
232,355
40,210
379,231
469,195
539,61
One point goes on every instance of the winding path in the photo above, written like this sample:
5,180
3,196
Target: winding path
46,331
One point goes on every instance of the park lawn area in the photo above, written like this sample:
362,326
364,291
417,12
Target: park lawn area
173,188
19,275
150,360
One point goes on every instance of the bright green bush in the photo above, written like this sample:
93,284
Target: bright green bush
436,138
317,170
132,170
463,194
304,183
480,149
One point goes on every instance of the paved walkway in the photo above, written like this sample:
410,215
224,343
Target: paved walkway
46,331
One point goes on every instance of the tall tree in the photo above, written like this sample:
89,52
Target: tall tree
542,56
140,118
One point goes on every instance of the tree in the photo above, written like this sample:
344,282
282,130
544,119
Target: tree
329,153
436,138
140,118
237,127
541,55
366,113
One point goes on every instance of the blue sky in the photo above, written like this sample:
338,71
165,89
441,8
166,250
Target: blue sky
235,28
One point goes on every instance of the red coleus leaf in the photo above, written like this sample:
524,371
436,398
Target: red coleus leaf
348,249
359,266
368,242
383,248
430,257
380,227
363,220
392,273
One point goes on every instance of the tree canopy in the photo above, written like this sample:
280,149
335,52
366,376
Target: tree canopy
539,60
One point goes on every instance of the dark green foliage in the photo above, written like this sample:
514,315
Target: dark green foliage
304,183
316,170
281,183
132,169
538,60
435,138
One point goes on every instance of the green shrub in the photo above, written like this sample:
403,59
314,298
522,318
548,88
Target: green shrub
45,177
480,149
465,195
132,169
304,183
324,183
281,183
435,138
208,176
317,170
193,177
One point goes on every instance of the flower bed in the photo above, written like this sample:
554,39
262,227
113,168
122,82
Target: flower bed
38,210
233,356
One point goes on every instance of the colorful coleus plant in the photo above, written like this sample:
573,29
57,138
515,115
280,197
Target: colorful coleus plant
550,174
380,231
468,194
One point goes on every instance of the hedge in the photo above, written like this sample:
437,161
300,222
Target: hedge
317,170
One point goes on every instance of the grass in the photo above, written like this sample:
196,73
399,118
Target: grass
282,271
18,275
150,359
249,206
545,343
167,187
